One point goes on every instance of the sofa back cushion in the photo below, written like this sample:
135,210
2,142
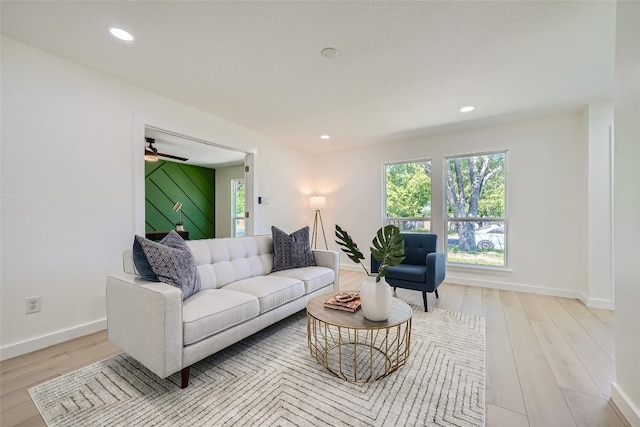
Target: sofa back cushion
225,260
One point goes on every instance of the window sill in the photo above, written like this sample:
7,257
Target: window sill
496,271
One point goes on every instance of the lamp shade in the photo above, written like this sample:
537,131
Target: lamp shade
150,154
317,202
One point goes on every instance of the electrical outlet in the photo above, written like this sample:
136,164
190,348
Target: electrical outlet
33,305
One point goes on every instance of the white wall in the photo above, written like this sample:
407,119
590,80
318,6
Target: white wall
626,391
66,216
73,187
598,291
224,176
546,197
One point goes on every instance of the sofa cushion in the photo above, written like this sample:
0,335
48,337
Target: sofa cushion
172,262
208,278
313,278
213,310
231,259
271,291
291,250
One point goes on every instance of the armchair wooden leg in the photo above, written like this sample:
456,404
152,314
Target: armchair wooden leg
185,377
424,300
436,291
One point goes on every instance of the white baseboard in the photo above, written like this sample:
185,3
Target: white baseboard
484,283
597,303
600,303
44,341
532,289
630,411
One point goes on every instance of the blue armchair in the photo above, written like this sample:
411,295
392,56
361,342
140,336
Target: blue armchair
422,269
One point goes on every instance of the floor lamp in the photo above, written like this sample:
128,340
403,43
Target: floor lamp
317,203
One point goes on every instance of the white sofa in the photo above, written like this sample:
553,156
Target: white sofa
239,296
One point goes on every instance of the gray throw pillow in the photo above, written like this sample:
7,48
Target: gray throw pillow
171,261
142,264
291,250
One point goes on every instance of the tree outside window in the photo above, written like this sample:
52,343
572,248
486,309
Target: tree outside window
408,196
476,209
237,203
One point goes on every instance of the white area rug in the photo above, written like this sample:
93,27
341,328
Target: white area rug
270,379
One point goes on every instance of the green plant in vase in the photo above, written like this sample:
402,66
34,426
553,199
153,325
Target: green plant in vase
388,248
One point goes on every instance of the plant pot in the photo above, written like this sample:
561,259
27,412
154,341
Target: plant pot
375,299
179,227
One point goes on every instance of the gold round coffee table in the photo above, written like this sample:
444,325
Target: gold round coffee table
354,348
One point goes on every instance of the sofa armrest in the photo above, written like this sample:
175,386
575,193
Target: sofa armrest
436,267
144,319
330,259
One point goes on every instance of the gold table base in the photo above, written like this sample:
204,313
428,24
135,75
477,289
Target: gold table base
356,349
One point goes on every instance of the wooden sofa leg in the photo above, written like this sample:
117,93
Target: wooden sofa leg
436,291
185,377
424,300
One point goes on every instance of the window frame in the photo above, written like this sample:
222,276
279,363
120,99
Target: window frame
393,220
234,217
504,220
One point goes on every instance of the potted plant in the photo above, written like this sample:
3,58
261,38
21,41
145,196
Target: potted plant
388,249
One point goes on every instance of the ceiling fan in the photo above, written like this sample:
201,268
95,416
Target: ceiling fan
151,153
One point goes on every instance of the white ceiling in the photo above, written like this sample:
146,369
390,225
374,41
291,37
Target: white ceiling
402,69
198,152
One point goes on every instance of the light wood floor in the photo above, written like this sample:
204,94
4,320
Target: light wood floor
549,361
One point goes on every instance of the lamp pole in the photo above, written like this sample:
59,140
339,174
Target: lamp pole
317,203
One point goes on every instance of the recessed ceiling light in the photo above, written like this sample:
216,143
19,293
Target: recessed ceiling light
329,52
121,34
325,136
467,109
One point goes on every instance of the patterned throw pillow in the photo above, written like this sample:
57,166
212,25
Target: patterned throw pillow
142,264
170,260
291,250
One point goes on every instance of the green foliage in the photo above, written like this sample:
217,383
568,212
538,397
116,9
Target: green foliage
408,190
240,197
349,247
491,203
492,257
476,186
388,248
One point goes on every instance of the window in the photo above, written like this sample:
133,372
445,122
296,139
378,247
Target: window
237,206
408,196
475,219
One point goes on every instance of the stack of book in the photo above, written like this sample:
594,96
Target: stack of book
346,301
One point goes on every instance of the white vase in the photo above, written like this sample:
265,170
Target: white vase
375,299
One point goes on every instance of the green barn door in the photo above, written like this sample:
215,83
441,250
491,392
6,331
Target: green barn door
169,182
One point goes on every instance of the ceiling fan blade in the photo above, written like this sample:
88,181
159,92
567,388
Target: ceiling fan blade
170,156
